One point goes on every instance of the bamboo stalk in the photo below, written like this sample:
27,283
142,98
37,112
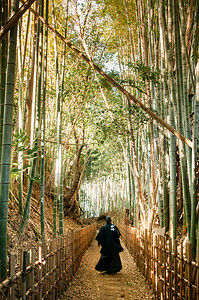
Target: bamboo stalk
6,143
15,18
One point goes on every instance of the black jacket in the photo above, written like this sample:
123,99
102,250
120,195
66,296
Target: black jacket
108,238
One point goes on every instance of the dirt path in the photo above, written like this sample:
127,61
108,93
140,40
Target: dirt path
89,284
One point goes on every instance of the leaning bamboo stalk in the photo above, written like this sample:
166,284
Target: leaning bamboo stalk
114,83
15,18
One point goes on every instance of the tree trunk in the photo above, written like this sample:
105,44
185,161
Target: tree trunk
68,201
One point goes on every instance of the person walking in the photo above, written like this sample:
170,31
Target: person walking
109,240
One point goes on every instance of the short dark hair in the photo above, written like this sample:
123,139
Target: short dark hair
108,219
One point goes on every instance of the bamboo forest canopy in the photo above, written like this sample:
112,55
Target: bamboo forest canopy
99,110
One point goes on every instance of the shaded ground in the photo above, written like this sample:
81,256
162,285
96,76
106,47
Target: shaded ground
89,284
32,232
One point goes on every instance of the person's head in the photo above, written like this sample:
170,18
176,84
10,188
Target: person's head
108,219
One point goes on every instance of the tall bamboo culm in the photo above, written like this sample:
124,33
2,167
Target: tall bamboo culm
3,65
6,144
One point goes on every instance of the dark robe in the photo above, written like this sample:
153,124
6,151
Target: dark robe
108,238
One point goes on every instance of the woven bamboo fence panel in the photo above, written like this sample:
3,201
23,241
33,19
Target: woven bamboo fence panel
169,269
45,273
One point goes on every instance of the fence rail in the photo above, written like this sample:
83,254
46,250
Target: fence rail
45,273
171,273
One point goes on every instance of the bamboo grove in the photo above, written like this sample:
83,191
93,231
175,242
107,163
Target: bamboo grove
99,108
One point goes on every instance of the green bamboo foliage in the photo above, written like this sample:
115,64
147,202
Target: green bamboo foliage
6,144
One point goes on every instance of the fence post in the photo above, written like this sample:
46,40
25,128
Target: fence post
158,270
145,255
165,268
44,267
61,263
66,264
170,269
175,270
72,250
154,264
12,276
150,259
58,265
188,248
39,257
21,267
53,269
24,276
181,270
161,239
28,275
50,279
32,282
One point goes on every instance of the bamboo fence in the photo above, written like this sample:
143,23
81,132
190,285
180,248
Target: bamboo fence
45,273
170,271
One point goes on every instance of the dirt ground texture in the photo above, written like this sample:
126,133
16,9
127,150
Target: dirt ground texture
89,284
32,232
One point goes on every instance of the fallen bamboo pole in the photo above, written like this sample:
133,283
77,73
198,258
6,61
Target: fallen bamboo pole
15,18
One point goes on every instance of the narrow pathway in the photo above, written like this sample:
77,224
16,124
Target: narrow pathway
88,284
